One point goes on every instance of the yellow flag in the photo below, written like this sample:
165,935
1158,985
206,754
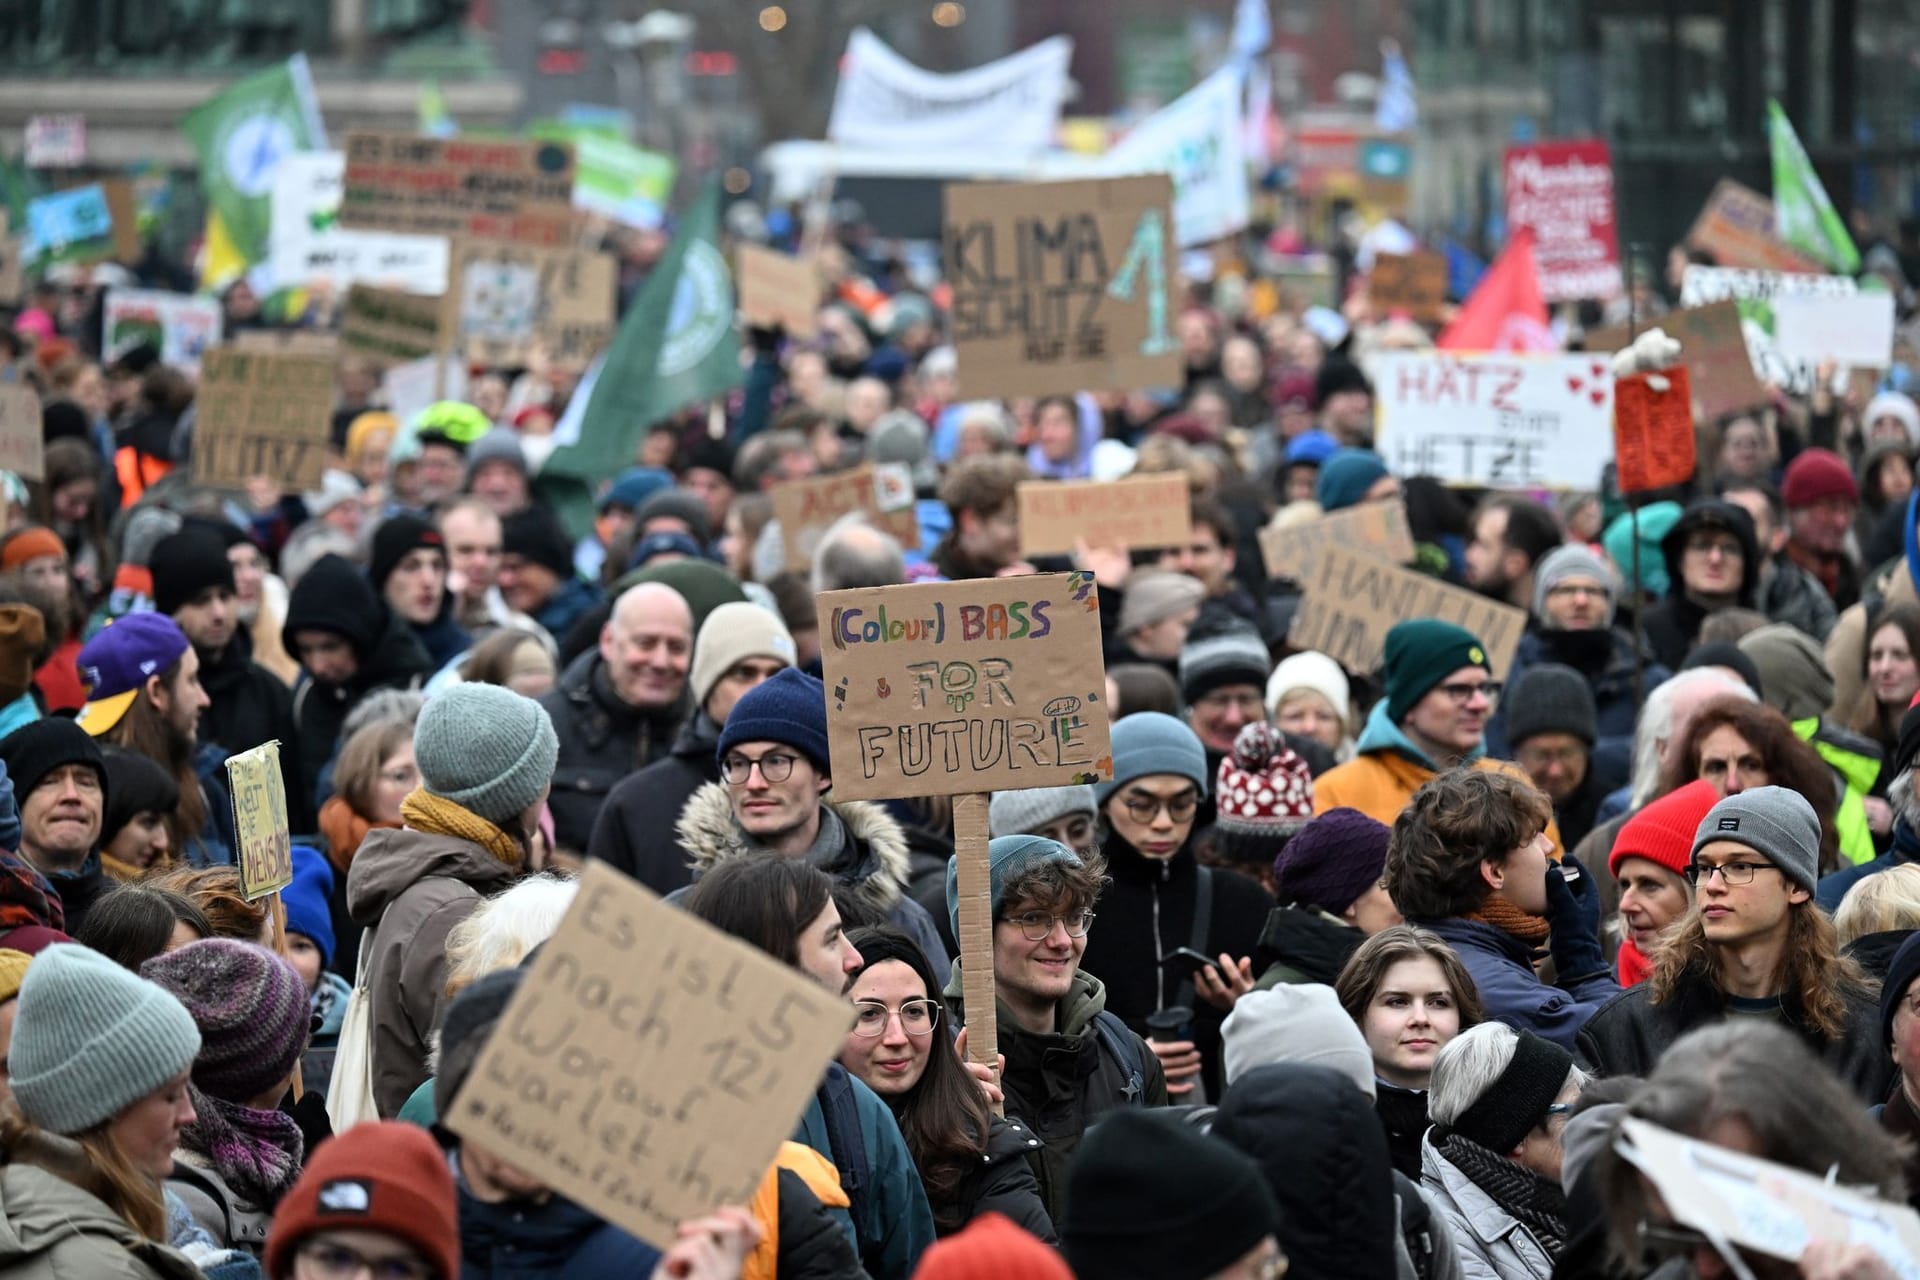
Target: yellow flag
221,261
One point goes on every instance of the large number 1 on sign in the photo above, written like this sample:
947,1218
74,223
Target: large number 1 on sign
1149,245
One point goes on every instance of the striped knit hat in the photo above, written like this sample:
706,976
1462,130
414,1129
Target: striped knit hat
252,1010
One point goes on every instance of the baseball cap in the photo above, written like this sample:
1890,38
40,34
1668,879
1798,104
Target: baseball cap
118,661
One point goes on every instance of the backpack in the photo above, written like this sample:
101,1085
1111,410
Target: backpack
841,1111
1120,1044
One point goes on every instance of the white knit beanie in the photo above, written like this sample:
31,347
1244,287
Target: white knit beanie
1315,671
732,633
1295,1022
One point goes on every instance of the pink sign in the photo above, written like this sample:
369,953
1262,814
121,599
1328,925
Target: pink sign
1563,192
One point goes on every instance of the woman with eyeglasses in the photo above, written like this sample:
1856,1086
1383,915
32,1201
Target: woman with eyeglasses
970,1161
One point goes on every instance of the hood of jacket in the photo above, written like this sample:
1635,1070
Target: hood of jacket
1086,999
1309,941
1380,734
392,860
1713,513
398,659
40,1211
872,860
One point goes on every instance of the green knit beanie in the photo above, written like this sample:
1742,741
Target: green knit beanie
1422,653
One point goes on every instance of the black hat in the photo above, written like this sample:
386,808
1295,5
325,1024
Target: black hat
393,539
464,1031
1725,653
535,534
708,454
138,785
1518,1098
1337,375
35,750
60,419
1901,972
681,505
1551,698
186,563
336,598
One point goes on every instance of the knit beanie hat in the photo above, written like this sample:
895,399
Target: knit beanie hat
394,539
137,784
1552,698
708,454
1816,475
1008,858
1295,1022
22,633
463,1032
1220,655
632,487
1155,597
678,504
1662,830
1725,653
1653,522
30,542
1149,1197
252,1010
655,545
1775,822
1019,813
733,633
13,972
1346,476
485,748
535,536
186,563
1904,968
1900,407
1332,861
704,585
790,709
307,899
1793,669
91,1039
502,444
1265,794
1315,671
1518,1098
335,597
382,1176
35,750
1574,560
1148,743
1309,448
991,1247
1420,654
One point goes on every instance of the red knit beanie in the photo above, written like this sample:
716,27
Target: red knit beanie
1815,475
1663,831
382,1176
991,1248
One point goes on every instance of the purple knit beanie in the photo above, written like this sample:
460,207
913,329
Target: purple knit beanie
1331,861
252,1010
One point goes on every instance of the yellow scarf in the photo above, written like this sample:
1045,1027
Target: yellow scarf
437,815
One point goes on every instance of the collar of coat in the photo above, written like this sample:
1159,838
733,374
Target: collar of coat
874,862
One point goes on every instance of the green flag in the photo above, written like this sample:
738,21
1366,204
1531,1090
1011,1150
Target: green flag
1803,216
676,345
240,135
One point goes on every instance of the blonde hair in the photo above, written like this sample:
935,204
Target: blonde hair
504,928
101,1169
1880,904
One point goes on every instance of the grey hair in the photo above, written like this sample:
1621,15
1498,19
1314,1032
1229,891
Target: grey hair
383,704
309,544
1906,804
1656,723
856,554
1470,1064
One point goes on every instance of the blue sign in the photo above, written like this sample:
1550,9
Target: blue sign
69,226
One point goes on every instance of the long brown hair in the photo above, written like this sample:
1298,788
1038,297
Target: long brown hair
216,891
1816,979
1367,968
145,731
1866,715
102,1170
1790,762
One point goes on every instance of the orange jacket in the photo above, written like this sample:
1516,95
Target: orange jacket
821,1178
1379,783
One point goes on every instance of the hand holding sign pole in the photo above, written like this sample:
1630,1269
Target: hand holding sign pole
263,845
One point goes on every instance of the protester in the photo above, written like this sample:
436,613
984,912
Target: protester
1328,883
1737,746
133,923
60,780
1821,498
1650,860
474,537
1787,593
408,567
1265,796
376,1198
1157,611
1510,537
1553,729
985,537
1068,815
142,798
1308,696
310,949
375,771
536,576
1712,562
1891,677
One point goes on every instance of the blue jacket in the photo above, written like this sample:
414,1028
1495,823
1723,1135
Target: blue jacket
213,847
895,1223
1502,970
571,601
1612,684
557,1240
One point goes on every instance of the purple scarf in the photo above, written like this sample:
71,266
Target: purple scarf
256,1153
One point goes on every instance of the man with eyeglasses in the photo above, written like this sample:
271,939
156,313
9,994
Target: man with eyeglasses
775,773
1554,726
1753,945
1713,563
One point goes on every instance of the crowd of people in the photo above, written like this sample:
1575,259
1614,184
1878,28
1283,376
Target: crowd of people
1340,973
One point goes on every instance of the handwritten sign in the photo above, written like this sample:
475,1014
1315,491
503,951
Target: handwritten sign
490,189
955,687
1415,283
650,1066
263,847
262,415
1854,331
806,509
1063,286
1563,193
1379,528
1352,599
1736,227
306,243
56,142
289,342
508,300
22,446
1653,445
1138,512
389,326
1715,351
1498,420
776,290
180,327
1756,293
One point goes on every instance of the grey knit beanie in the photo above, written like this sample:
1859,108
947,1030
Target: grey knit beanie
90,1039
485,748
1551,698
1149,743
1793,669
1155,597
1776,823
1295,1022
1573,561
1221,654
1008,858
1018,813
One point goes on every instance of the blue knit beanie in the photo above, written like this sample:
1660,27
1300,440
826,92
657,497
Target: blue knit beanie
485,748
306,900
1150,742
790,709
1310,448
1008,858
1346,476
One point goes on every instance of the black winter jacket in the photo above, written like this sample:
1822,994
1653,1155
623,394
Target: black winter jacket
602,740
1005,1182
248,705
1304,944
630,834
395,660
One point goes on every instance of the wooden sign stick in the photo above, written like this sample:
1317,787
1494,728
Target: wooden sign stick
277,912
976,927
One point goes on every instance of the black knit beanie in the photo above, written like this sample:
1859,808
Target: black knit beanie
535,535
333,596
186,563
1518,1100
470,1019
394,539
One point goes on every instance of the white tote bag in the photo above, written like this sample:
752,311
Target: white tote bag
350,1092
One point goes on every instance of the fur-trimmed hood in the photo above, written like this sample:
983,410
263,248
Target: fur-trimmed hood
873,861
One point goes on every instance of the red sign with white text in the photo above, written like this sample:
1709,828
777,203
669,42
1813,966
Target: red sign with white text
1563,193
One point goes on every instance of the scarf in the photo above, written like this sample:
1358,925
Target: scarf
437,815
1634,967
256,1153
1535,1203
1509,919
344,830
26,896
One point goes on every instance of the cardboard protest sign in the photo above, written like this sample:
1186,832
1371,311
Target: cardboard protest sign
261,415
955,687
506,300
263,847
22,446
650,1066
1061,287
1854,331
776,290
306,243
1352,599
289,342
124,208
13,280
1653,444
1715,352
1756,293
1563,193
1736,227
1415,283
806,509
389,326
412,386
1378,528
490,189
1138,513
1504,421
182,328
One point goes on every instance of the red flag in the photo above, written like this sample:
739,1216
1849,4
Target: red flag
1506,312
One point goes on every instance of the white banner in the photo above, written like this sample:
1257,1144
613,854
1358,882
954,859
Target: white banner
1197,139
1509,422
181,326
1007,107
306,244
1758,293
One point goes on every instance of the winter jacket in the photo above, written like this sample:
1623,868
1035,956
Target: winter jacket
216,1207
1630,1032
871,860
1904,849
1060,1082
627,835
808,1233
213,845
526,1240
396,661
444,639
1004,1183
891,1223
316,1064
1492,1244
248,705
1605,658
1501,966
1791,595
50,1229
1855,763
571,601
602,741
1672,625
1304,944
1846,647
411,888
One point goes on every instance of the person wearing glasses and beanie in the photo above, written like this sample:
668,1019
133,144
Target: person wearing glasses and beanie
1162,899
1753,945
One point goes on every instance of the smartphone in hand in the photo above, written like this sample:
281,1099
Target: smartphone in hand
1189,962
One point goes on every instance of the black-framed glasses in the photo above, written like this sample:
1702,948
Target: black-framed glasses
1142,807
775,766
1731,872
1037,926
1462,691
917,1017
331,1260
